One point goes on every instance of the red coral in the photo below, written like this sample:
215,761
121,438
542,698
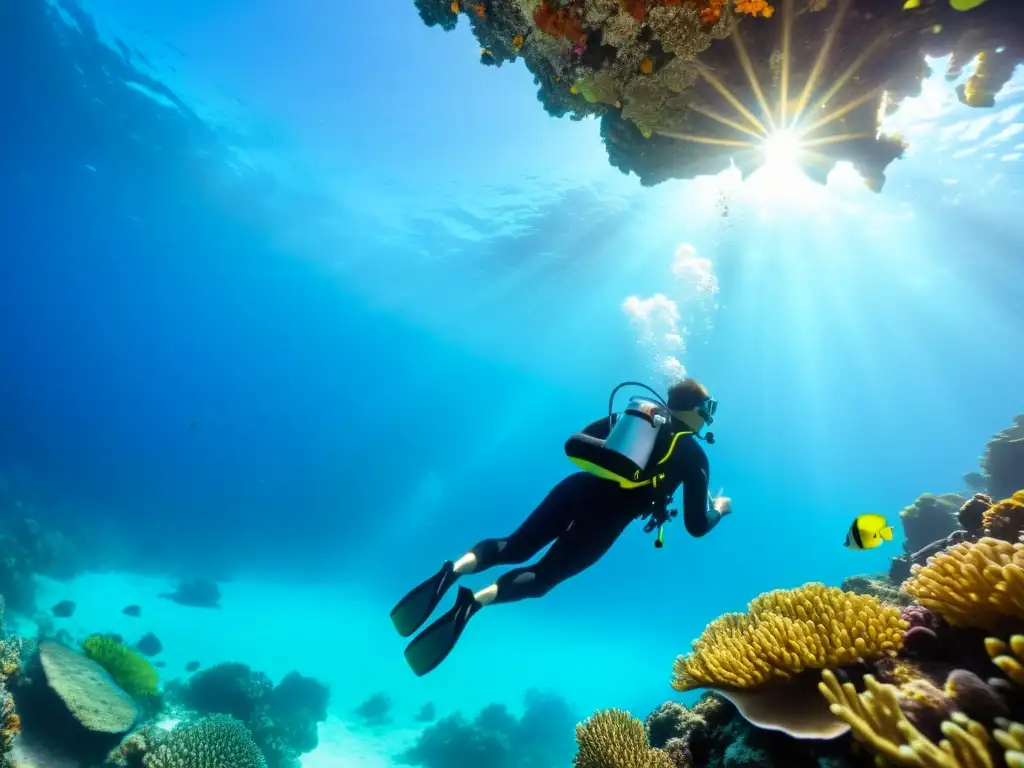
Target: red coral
637,9
564,22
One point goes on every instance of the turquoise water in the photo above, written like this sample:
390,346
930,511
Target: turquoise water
300,298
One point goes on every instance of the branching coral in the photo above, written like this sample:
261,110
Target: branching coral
786,632
613,738
679,29
877,721
973,584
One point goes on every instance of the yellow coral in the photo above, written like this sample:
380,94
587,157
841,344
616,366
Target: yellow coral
973,584
876,720
612,738
786,632
1005,520
1008,657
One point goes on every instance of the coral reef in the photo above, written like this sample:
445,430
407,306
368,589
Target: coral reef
87,690
283,719
1005,520
929,519
657,72
496,738
28,548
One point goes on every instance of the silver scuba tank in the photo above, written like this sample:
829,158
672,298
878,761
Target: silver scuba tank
636,431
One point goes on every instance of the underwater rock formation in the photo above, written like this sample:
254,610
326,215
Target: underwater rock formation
376,710
686,87
929,519
1002,465
876,585
28,548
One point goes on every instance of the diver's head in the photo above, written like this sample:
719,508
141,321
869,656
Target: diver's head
691,404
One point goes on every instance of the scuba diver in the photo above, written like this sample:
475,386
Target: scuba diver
632,464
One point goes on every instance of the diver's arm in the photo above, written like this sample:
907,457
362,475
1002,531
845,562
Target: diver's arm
700,514
600,429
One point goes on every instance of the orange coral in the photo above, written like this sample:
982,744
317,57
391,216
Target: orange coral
755,8
711,11
479,10
647,66
560,22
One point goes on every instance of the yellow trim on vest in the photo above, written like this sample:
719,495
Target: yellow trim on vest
607,474
672,445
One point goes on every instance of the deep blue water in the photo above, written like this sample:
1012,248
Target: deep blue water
282,295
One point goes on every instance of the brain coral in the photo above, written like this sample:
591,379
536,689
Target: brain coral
217,741
87,690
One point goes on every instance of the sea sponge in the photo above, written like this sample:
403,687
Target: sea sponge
973,584
129,668
89,693
612,738
600,86
1005,520
787,631
218,741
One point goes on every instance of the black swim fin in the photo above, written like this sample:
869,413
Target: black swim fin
415,608
432,646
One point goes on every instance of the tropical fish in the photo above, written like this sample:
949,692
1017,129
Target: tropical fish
965,5
867,532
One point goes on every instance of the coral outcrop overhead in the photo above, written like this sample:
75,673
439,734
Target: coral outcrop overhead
676,100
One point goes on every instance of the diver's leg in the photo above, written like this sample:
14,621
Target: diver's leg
539,529
547,521
584,543
581,545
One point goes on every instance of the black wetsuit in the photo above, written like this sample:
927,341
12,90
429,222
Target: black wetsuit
584,514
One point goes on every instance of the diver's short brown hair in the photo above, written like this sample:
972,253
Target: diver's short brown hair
686,395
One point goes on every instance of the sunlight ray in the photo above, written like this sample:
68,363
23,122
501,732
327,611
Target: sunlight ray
787,38
755,84
819,63
726,121
850,72
841,111
728,96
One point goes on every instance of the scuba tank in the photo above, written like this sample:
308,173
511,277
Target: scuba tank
625,454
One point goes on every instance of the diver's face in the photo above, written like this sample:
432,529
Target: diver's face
690,419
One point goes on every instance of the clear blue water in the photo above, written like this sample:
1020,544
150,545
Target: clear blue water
299,293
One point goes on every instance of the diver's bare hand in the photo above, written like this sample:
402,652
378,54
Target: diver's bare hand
723,504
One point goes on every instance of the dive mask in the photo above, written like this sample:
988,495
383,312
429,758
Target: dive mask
706,410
